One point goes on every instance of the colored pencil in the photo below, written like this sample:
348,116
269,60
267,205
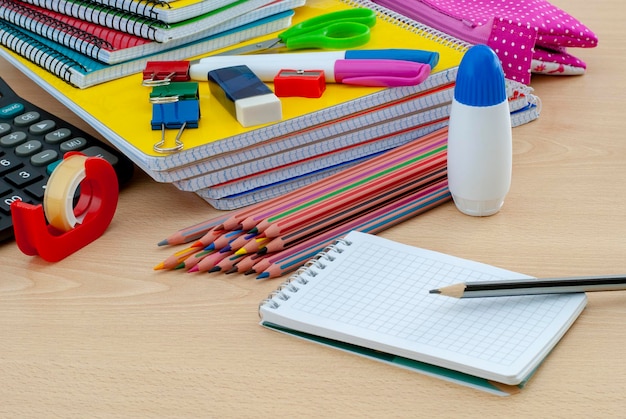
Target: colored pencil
209,262
174,260
194,259
376,201
191,233
398,211
533,286
351,195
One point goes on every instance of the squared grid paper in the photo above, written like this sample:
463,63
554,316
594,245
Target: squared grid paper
384,291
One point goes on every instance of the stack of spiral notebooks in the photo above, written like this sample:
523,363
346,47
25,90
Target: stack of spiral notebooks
87,42
231,166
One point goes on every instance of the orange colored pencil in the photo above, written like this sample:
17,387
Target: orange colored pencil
174,260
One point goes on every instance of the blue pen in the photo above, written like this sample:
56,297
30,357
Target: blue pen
267,66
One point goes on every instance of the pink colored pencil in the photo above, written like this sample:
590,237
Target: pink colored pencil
209,262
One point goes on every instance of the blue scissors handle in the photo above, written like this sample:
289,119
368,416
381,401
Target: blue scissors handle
360,15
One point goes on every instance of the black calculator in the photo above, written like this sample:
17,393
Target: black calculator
32,142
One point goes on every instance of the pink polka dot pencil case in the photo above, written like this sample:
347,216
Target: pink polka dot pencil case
527,35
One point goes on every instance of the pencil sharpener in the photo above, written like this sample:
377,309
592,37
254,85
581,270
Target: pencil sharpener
302,83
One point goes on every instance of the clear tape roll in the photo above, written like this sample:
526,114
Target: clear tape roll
58,201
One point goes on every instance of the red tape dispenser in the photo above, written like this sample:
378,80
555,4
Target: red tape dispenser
70,227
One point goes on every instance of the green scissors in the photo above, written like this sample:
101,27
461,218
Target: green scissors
338,30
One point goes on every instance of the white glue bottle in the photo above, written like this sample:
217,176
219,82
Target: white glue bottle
480,150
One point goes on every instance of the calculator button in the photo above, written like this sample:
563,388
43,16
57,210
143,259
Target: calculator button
95,151
4,128
42,127
44,158
13,139
9,111
6,200
26,119
8,164
57,136
5,188
73,145
37,190
23,177
28,148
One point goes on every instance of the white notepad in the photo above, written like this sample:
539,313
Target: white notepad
369,293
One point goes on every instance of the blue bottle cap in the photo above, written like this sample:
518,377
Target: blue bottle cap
480,79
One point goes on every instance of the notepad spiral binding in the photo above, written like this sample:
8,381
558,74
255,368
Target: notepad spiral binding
410,25
302,276
52,29
37,52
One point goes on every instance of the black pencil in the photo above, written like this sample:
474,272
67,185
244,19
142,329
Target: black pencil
534,286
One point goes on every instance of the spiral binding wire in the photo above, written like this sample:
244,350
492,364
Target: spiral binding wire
53,29
142,7
108,16
37,52
304,274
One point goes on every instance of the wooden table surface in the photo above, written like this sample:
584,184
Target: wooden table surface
101,334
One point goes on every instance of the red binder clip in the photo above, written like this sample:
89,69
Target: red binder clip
160,73
70,227
303,83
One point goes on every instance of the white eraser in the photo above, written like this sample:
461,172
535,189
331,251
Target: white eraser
245,95
257,110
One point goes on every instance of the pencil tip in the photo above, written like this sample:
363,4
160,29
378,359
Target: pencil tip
225,249
231,270
163,242
240,252
214,269
193,269
262,251
435,291
253,230
159,266
263,275
249,272
181,265
209,247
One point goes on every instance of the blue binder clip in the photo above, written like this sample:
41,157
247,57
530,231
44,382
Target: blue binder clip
174,106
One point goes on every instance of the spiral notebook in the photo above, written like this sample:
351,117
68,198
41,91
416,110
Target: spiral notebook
168,11
359,117
142,26
370,295
111,46
79,70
